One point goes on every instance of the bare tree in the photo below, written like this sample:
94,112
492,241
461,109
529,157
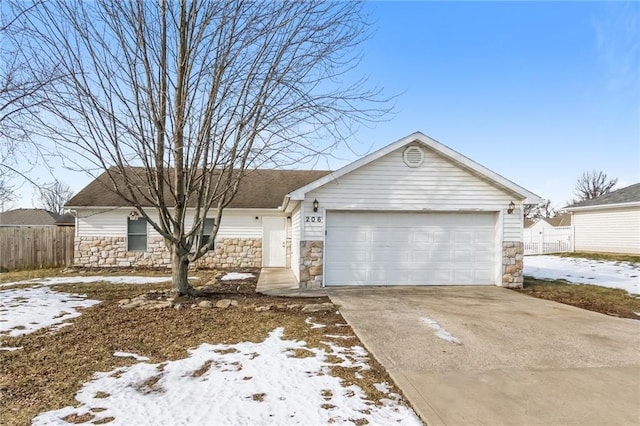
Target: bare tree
23,80
541,210
198,93
54,196
7,194
593,184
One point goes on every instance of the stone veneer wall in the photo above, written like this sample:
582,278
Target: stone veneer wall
99,252
512,264
311,264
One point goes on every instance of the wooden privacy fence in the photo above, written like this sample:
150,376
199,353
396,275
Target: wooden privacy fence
35,247
548,240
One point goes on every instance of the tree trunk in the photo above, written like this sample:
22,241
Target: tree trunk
180,274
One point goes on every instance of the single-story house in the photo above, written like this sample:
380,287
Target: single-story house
609,223
67,219
415,212
560,220
28,218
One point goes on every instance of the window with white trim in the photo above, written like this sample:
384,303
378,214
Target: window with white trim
208,224
136,234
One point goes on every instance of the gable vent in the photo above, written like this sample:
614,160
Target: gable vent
413,156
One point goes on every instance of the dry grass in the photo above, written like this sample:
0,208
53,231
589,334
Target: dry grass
53,366
613,257
614,302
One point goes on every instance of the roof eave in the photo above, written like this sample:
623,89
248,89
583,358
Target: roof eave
603,206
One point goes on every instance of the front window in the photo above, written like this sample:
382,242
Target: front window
209,223
136,234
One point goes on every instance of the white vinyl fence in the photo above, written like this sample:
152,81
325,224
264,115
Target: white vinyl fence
548,240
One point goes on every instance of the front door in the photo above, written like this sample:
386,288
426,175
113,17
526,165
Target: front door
274,242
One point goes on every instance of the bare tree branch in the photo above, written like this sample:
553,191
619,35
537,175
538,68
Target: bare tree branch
195,94
593,184
54,196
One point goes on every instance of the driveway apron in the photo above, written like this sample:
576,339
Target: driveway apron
484,355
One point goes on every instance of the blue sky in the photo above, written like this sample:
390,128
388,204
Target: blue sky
536,91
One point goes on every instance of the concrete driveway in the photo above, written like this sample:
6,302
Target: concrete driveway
520,360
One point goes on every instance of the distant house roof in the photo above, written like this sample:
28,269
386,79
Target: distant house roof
528,223
67,219
560,220
626,195
28,217
258,189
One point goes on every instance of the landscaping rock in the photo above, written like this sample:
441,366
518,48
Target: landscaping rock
223,304
263,308
322,307
293,306
205,304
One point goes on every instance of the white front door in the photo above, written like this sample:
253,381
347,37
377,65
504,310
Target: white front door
274,242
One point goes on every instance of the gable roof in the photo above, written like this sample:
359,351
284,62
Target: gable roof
258,189
67,219
459,159
28,217
629,195
560,220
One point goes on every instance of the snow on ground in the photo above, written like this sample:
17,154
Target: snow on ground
93,279
26,310
137,357
313,324
245,383
441,332
237,276
623,275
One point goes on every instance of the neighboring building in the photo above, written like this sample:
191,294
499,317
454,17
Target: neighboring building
413,213
67,219
609,223
548,235
28,217
548,222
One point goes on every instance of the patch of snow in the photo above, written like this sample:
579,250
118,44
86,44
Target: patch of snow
131,279
237,276
441,332
10,349
234,387
137,357
26,310
338,336
313,324
382,387
622,275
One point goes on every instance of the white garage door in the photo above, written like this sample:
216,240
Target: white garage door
364,248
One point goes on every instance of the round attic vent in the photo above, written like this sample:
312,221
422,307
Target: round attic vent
413,156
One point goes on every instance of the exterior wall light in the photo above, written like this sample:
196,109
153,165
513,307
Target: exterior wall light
511,208
315,205
133,215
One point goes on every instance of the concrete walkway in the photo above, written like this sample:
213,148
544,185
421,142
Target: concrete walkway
519,360
282,282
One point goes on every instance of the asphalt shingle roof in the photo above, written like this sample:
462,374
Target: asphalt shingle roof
627,194
258,189
28,217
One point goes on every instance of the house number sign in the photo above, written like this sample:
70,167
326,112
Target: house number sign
313,219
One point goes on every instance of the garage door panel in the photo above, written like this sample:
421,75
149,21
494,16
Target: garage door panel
382,248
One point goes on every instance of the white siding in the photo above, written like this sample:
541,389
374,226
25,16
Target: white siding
611,230
295,243
389,184
113,223
235,226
